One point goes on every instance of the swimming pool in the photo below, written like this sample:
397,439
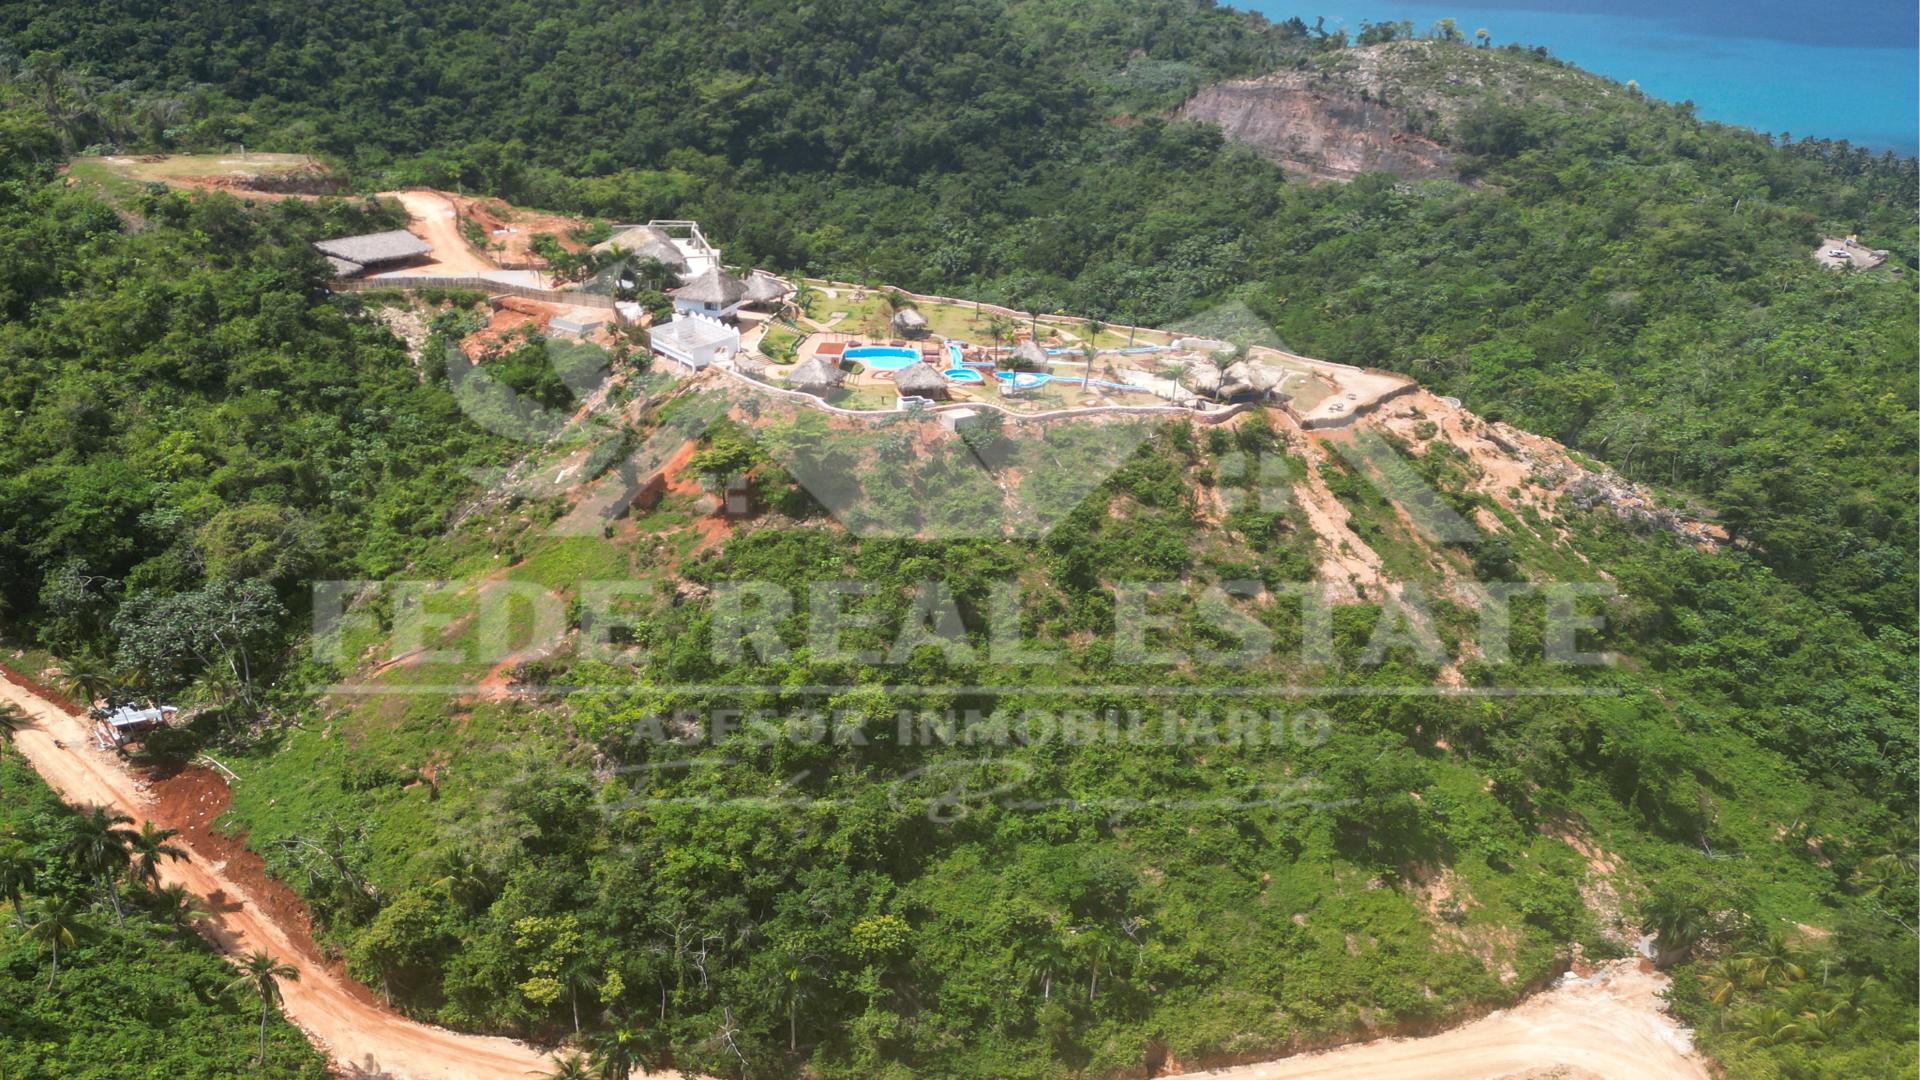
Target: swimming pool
956,355
963,374
1023,380
884,357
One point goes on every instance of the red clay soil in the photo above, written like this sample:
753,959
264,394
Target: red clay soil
514,250
190,799
512,313
714,528
248,911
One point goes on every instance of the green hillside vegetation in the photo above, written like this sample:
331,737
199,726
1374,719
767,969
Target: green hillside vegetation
202,431
135,994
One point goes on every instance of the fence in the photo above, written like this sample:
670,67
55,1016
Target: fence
416,282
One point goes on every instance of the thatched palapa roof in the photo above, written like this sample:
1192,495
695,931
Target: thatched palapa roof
920,380
646,242
1030,355
370,248
763,288
712,286
814,375
909,322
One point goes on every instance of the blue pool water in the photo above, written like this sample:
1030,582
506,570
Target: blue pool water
1023,380
955,356
884,357
963,374
1837,71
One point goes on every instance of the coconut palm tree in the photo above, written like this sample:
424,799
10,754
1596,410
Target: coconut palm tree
998,327
895,301
1677,923
18,869
147,848
264,974
99,846
1094,328
803,294
11,720
571,1067
1723,979
88,680
1771,1027
173,904
617,1052
55,923
1773,961
1088,354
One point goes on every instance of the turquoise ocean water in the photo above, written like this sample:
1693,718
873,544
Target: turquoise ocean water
1838,71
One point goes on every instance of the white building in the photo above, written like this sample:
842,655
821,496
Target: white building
711,294
678,244
694,343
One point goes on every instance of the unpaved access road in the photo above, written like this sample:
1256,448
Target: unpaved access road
356,1033
437,221
1610,1025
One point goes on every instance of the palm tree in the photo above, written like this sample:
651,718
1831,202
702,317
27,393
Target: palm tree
174,904
1677,923
571,1067
147,848
803,294
616,1053
1882,873
1770,1027
895,301
11,720
464,878
1823,1025
88,680
1088,354
57,921
1723,979
1094,328
98,847
1773,960
264,974
17,872
998,327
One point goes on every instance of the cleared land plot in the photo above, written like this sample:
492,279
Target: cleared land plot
121,174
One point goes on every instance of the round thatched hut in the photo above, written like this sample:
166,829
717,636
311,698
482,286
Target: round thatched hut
765,291
1029,356
920,380
815,376
909,323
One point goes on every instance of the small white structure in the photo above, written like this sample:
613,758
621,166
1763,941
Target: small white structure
127,722
956,420
572,325
694,343
711,294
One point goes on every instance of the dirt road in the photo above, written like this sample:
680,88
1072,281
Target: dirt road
1609,1026
436,221
358,1034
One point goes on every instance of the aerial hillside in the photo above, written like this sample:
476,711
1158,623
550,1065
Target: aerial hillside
695,719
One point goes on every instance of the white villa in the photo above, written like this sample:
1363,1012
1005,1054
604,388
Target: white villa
693,342
678,244
711,294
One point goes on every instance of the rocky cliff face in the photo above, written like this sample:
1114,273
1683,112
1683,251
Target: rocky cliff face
1318,128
